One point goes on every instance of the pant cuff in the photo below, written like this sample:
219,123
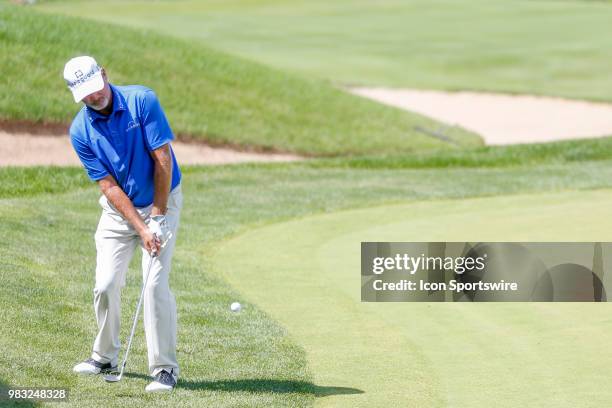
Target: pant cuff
167,368
103,360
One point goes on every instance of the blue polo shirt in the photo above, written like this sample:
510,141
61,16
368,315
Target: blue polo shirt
120,144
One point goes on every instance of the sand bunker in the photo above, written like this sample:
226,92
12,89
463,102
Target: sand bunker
23,149
503,119
499,119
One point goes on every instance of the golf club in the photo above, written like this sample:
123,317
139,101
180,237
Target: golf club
114,377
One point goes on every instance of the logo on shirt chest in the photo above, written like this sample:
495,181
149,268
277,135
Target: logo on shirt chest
132,125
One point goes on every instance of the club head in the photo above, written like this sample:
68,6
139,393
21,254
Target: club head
112,378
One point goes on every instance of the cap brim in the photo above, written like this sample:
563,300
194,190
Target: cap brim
95,84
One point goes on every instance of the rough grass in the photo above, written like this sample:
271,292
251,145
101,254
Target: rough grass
567,151
207,95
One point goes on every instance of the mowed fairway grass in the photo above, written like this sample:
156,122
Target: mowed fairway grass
524,46
423,354
261,356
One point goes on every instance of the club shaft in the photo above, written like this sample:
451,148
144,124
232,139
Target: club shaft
135,322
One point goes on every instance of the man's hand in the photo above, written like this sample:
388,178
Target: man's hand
123,204
150,241
159,226
162,179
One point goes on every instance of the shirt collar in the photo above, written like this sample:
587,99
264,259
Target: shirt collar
118,105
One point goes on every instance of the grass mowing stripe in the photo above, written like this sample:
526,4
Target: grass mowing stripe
429,354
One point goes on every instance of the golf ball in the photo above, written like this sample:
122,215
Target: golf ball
235,307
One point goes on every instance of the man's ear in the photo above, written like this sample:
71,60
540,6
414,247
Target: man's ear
103,73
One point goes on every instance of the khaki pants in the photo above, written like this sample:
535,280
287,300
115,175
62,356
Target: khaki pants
116,240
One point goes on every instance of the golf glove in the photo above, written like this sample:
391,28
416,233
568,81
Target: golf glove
159,226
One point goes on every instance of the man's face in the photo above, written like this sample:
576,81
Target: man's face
99,100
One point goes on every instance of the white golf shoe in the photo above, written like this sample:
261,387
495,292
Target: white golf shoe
164,382
92,367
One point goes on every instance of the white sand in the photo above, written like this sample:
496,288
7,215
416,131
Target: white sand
503,119
499,119
21,149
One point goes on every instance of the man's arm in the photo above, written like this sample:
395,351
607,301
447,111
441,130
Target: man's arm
95,169
123,204
162,178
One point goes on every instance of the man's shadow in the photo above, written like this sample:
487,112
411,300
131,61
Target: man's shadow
260,385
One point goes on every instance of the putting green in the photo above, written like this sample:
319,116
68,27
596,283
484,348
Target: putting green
306,274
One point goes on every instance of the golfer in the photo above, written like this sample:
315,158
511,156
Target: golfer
122,137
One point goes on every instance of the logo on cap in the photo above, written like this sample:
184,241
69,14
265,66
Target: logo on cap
81,78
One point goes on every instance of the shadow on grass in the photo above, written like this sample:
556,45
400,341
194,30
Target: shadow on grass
261,385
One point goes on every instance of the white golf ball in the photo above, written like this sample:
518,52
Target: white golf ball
235,307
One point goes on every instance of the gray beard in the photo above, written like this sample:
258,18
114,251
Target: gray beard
99,107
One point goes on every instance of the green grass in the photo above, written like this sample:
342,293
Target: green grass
269,355
226,359
567,151
28,181
524,46
31,181
207,95
422,354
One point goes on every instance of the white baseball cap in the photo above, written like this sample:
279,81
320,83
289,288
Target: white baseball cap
83,76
